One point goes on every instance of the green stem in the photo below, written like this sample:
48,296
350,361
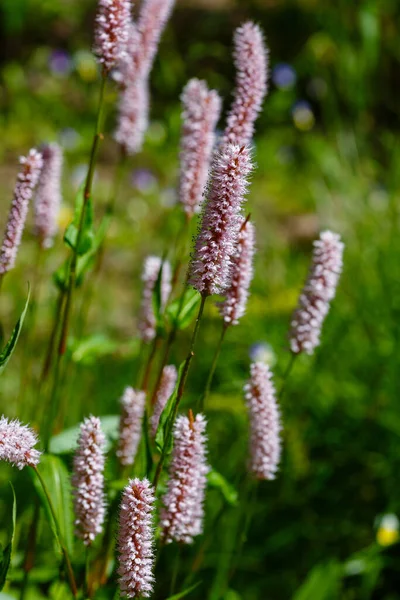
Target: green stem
30,550
175,571
86,197
286,374
210,377
59,536
181,388
86,587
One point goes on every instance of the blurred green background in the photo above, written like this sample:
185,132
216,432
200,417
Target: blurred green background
327,152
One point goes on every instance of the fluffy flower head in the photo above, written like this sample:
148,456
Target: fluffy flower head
183,513
251,60
265,443
88,480
319,290
136,540
16,444
28,176
201,109
111,34
211,264
130,427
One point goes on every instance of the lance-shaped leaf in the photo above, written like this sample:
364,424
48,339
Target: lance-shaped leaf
87,234
10,346
164,424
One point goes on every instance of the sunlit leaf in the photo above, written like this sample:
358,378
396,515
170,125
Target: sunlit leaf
183,313
87,233
166,415
66,441
57,479
218,481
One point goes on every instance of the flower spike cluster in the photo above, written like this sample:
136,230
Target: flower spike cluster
28,176
211,264
265,443
151,269
317,293
234,305
251,60
136,540
201,109
130,427
166,387
88,480
16,444
182,516
48,195
143,39
111,33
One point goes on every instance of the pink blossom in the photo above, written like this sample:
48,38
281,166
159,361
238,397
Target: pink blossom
88,480
48,195
211,264
183,513
136,540
111,34
166,387
130,428
201,109
26,182
317,293
16,444
234,305
251,60
151,269
265,443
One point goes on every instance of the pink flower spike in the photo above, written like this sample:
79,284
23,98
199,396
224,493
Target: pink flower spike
151,269
234,305
48,195
251,60
130,427
182,517
111,34
26,182
317,293
136,540
16,444
166,387
88,480
265,443
211,263
201,109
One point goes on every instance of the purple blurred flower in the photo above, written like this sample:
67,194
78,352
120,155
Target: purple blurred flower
284,76
60,63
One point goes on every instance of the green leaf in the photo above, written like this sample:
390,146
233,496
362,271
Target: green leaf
184,592
88,350
85,262
87,233
322,583
188,311
166,416
6,553
66,441
10,346
218,481
56,477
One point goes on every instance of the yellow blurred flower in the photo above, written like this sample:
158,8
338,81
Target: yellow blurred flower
388,530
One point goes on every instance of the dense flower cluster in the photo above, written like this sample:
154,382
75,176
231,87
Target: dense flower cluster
234,305
136,540
216,242
183,513
16,444
251,59
48,195
165,389
130,428
111,34
151,269
317,293
26,182
201,109
265,443
134,71
88,480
